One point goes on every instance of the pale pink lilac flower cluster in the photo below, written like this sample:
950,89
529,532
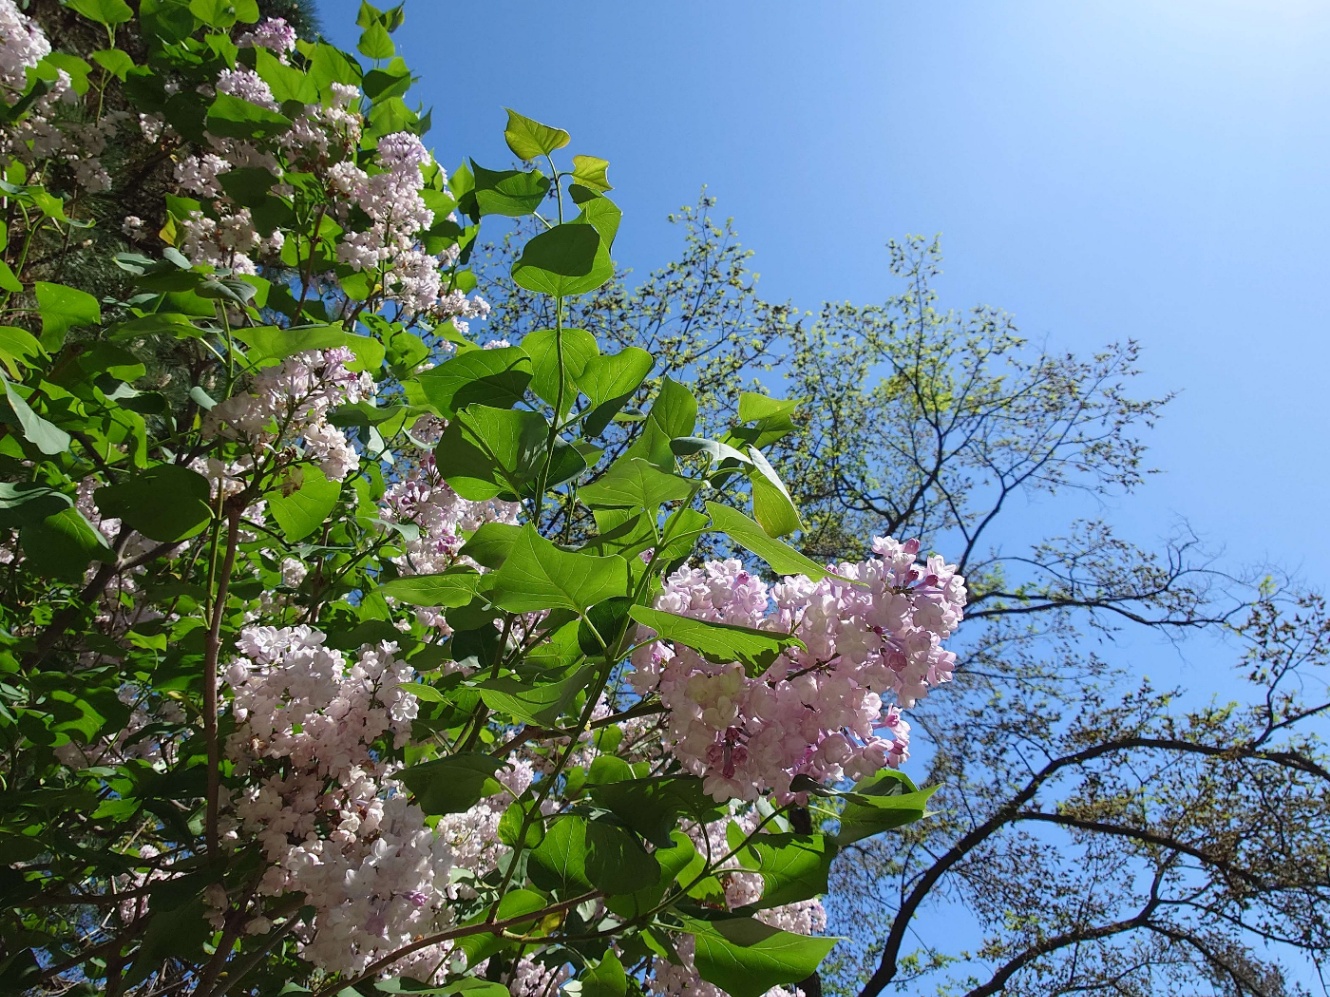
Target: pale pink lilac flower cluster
318,135
274,34
805,917
320,801
390,198
530,978
290,402
41,133
244,83
22,45
423,499
817,712
327,812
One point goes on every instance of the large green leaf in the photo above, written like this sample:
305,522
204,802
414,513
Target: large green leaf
652,807
231,117
577,854
746,958
453,785
491,544
286,83
497,378
26,502
375,43
566,260
103,11
45,436
480,946
530,139
541,703
309,500
772,506
487,452
673,414
783,558
616,862
793,867
269,342
538,575
769,419
510,193
604,979
224,13
609,382
451,588
674,856
249,185
63,308
60,546
591,172
165,503
633,483
559,861
19,348
879,803
690,446
719,642
579,349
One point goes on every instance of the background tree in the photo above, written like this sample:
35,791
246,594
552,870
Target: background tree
1097,834
1088,823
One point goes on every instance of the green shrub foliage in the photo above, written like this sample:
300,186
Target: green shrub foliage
303,686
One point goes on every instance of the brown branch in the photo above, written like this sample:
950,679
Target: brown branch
482,928
1143,836
999,979
1011,810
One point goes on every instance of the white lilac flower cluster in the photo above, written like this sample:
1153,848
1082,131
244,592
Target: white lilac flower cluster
289,403
274,34
389,196
380,207
320,800
443,518
817,712
22,46
42,133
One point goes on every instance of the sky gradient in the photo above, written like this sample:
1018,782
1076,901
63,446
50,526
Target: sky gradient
1102,170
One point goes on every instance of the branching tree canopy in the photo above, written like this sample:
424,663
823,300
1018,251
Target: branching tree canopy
1094,834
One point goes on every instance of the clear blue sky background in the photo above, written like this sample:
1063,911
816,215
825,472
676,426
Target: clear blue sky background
1102,169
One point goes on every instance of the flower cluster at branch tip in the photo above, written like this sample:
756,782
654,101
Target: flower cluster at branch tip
332,821
321,804
443,518
742,888
818,711
22,46
290,402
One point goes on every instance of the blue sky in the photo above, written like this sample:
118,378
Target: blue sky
1101,170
